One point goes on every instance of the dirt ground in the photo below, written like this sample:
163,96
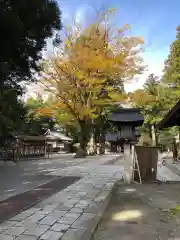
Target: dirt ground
142,212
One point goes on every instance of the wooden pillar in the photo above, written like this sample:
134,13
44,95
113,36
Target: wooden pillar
27,150
23,151
50,151
17,153
45,149
39,147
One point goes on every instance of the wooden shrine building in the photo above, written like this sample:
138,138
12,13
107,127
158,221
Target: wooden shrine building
127,121
44,145
58,140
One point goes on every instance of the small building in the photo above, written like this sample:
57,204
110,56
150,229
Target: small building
30,146
58,140
126,121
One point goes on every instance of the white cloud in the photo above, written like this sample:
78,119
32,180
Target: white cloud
80,15
154,60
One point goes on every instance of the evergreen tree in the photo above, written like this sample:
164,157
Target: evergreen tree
171,77
25,26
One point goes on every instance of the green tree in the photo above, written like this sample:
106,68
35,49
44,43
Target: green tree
25,26
151,99
171,77
166,136
151,85
12,112
33,124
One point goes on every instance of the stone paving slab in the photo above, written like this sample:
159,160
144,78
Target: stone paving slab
14,205
72,213
164,173
141,211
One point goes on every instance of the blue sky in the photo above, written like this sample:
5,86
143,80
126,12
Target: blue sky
155,20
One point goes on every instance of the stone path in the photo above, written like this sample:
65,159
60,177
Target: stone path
164,174
175,168
169,172
72,213
28,174
138,212
16,204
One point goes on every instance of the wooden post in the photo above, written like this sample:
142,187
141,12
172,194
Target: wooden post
28,151
34,150
25,151
45,149
51,151
17,153
48,150
39,153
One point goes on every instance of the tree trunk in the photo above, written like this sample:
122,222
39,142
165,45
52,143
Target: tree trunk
83,139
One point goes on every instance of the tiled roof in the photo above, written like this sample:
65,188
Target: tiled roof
52,135
172,118
127,115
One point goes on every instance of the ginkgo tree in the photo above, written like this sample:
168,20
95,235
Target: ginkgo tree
87,74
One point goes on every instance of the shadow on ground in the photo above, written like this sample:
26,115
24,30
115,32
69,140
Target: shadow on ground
138,212
16,204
